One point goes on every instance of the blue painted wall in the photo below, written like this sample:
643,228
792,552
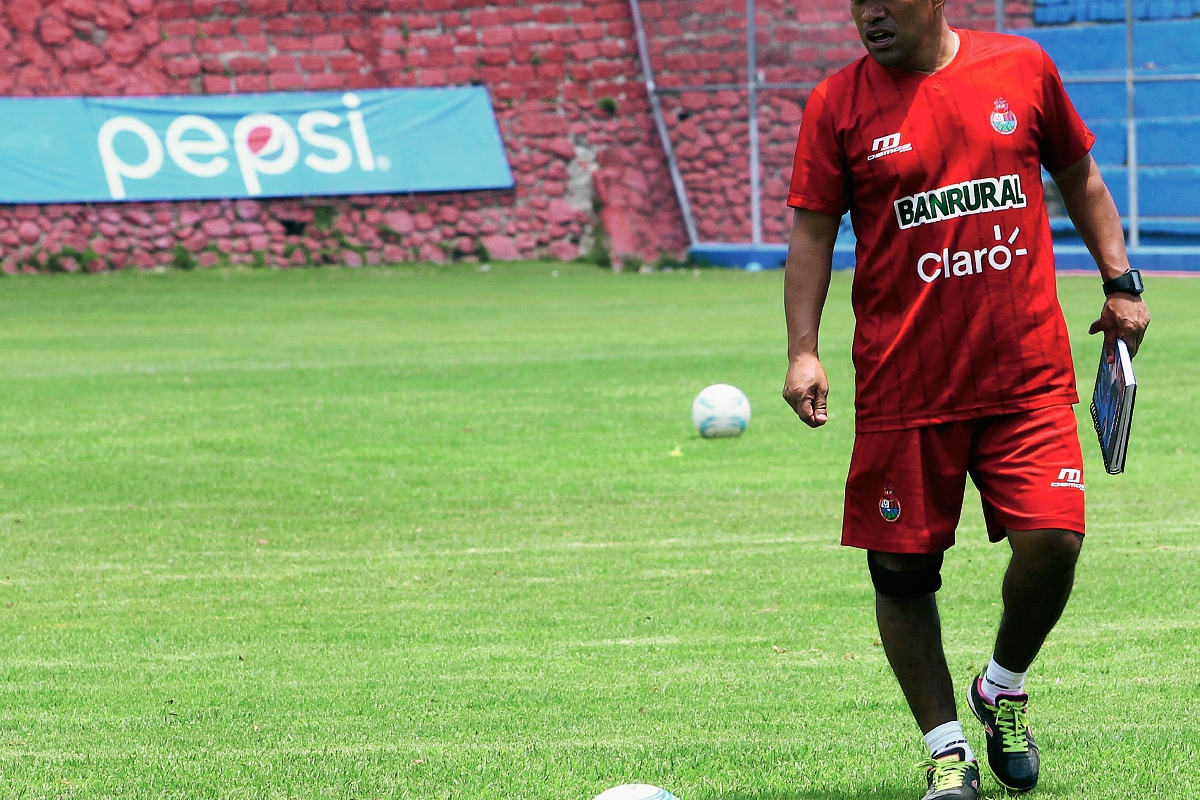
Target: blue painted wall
1057,12
1168,112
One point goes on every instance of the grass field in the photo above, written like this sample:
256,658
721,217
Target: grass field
418,533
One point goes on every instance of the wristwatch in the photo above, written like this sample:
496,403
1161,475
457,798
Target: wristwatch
1130,283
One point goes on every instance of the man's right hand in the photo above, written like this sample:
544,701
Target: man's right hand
806,277
806,388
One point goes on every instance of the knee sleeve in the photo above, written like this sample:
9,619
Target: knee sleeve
905,585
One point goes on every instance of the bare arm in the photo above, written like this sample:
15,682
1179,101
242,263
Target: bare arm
1099,225
805,286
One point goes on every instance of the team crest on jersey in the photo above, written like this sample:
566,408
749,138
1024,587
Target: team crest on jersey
889,504
1003,119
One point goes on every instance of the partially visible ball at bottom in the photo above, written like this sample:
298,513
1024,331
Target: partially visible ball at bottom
636,791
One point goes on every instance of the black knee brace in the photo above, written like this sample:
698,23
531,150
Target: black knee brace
905,585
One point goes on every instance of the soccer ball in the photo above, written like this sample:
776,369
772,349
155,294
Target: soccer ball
636,791
720,411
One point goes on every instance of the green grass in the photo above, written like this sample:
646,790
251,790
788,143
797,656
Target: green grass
417,533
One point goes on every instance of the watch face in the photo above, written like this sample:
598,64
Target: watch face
1129,283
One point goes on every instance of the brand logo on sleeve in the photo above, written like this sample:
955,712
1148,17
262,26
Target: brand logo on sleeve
962,199
1003,119
886,146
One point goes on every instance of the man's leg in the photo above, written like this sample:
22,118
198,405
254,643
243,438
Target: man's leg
1029,470
911,632
1036,587
904,493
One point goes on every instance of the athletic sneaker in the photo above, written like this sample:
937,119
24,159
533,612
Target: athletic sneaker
950,777
1012,754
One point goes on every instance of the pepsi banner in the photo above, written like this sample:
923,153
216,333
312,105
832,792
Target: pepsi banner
280,144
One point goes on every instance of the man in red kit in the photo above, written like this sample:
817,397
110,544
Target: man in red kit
934,143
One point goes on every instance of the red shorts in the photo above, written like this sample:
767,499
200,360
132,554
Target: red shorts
905,489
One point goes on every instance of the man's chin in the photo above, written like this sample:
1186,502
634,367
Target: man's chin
887,56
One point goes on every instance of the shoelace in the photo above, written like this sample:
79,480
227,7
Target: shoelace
1012,718
947,774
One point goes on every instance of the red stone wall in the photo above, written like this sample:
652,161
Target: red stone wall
564,77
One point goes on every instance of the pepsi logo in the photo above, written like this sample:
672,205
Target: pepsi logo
263,144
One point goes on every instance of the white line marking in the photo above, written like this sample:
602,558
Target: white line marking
1022,252
1013,238
999,235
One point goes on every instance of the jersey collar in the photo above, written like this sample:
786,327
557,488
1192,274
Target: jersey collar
960,58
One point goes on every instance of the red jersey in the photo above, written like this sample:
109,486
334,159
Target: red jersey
954,291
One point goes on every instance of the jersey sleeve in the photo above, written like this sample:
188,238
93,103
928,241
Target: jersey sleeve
1065,137
820,179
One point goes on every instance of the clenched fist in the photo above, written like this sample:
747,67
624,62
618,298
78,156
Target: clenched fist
806,388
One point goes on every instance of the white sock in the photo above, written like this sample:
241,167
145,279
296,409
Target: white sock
948,736
998,680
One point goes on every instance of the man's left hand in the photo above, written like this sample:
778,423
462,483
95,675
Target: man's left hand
1124,316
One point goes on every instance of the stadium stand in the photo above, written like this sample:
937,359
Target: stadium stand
1168,114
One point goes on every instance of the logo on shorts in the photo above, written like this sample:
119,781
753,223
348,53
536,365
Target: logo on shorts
1003,119
889,504
1069,479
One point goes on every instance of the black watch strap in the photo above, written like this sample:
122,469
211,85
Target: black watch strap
1130,283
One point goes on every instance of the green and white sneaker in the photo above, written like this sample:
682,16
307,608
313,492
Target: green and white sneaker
1012,753
951,777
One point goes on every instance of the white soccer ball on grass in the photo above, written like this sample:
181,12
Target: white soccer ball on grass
636,791
720,411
